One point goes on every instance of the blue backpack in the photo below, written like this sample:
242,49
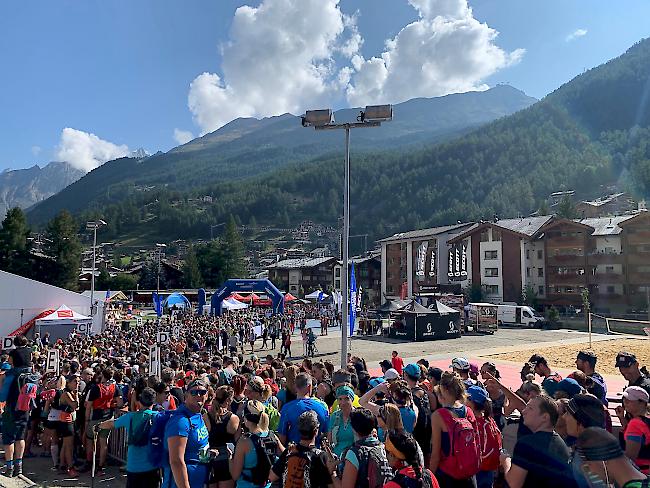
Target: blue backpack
157,448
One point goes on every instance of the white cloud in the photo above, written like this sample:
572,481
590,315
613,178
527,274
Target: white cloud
182,136
279,58
36,150
282,57
576,34
86,151
445,51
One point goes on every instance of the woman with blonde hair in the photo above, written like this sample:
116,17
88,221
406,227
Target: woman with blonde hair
256,389
288,393
444,464
223,427
245,467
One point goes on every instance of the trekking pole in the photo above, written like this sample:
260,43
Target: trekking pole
92,471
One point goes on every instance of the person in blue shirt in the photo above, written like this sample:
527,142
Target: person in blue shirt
186,441
140,473
288,429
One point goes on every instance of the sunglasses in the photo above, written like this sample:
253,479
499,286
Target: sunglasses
198,392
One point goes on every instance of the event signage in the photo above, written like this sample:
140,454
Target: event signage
8,343
457,268
154,360
162,337
52,361
138,321
432,264
84,328
421,258
176,331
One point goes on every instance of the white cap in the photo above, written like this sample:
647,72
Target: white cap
391,374
461,364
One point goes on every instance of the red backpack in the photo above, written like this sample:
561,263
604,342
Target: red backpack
490,443
464,459
106,397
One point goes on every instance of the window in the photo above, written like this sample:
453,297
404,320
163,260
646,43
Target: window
610,269
540,290
491,254
540,272
491,272
642,269
337,272
496,234
527,253
611,289
540,254
527,272
492,289
485,236
526,314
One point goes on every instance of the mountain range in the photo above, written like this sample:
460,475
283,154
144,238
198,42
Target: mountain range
25,187
434,165
247,147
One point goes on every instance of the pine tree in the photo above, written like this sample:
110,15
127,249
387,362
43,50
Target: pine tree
232,250
191,272
14,243
566,209
65,250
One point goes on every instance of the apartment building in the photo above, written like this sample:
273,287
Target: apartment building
505,258
367,273
303,275
420,258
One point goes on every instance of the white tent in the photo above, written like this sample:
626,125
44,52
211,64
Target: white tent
232,304
22,299
444,309
62,322
315,295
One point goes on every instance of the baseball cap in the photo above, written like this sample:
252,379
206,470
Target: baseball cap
461,364
413,371
385,364
473,368
435,373
588,356
391,374
570,386
376,381
537,359
477,394
200,382
587,410
625,359
636,393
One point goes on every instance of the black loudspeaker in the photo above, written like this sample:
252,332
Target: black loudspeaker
126,325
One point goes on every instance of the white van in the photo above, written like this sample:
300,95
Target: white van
519,315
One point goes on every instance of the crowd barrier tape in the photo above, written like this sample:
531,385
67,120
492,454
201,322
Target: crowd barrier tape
117,442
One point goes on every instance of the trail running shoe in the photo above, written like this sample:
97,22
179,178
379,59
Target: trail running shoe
18,470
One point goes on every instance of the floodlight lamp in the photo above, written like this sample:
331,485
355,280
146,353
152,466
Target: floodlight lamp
377,113
318,118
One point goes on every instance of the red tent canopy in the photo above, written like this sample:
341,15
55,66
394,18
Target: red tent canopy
263,302
239,298
289,297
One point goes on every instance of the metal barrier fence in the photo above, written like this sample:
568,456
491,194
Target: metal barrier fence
117,442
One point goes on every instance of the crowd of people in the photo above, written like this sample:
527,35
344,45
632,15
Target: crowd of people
217,415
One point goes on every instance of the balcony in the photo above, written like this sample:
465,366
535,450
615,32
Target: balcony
568,279
565,259
565,241
641,237
606,278
638,258
605,258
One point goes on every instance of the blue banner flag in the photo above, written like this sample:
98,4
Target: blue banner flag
157,304
353,299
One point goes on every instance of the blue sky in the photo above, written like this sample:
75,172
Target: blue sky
122,70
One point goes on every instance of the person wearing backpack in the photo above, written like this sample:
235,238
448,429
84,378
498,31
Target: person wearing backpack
488,434
422,429
140,472
304,465
256,451
364,464
185,458
256,389
455,448
102,398
403,455
222,425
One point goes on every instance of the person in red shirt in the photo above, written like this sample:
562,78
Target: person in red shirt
403,456
398,363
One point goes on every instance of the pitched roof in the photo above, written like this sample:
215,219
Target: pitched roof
606,226
414,234
300,263
524,226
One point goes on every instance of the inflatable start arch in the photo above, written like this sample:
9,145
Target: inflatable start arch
262,286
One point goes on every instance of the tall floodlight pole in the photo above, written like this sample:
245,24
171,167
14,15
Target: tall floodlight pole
93,225
372,116
159,248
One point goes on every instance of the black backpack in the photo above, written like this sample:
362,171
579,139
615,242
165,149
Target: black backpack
265,448
374,470
407,482
422,429
140,432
